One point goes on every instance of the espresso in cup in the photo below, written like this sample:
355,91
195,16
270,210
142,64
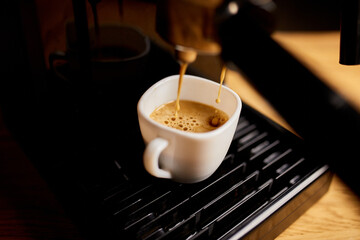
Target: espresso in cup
185,156
193,116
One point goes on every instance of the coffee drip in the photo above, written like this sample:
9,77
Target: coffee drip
183,67
193,116
222,78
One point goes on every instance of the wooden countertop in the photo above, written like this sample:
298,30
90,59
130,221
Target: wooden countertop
337,214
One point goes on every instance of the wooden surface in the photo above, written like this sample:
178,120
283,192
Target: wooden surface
337,214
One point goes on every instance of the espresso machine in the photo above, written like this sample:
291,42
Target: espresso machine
64,112
240,32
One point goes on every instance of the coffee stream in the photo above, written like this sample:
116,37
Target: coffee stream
183,67
194,116
222,77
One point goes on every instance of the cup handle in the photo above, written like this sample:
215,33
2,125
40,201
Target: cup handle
151,158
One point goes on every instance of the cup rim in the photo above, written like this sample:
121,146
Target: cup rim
195,135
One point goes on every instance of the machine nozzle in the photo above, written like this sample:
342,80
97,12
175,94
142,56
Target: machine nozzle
185,55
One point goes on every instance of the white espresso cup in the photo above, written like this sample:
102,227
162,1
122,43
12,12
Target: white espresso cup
186,156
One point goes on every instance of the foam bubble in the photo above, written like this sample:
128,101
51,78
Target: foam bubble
193,117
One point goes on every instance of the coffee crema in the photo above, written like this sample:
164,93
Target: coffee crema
193,117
